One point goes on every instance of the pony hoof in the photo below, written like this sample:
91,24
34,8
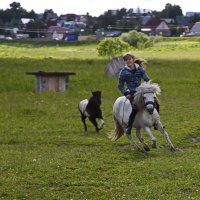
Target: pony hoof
172,149
147,148
154,145
98,129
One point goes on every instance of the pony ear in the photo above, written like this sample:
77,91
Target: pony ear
96,92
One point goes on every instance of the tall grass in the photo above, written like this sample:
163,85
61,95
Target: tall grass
45,153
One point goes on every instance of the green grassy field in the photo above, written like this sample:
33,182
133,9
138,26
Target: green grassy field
45,153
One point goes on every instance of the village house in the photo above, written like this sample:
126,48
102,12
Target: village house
196,29
158,27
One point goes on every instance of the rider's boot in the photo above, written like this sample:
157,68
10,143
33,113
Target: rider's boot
130,121
157,107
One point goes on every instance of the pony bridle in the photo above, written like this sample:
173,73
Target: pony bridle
150,109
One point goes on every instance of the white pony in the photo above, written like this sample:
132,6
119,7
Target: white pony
146,117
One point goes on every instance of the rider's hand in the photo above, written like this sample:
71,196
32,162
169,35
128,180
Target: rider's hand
128,96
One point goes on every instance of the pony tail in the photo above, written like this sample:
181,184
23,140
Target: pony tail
118,132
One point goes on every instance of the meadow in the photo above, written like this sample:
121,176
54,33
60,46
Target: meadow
45,152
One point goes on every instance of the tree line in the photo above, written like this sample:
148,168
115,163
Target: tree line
11,17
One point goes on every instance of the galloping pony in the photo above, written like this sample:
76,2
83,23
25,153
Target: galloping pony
91,108
146,117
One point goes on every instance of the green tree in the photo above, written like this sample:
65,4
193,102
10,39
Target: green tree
18,11
171,11
36,28
48,14
107,19
121,13
195,18
31,15
8,15
15,13
112,47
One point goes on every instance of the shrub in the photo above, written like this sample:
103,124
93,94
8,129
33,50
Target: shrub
136,39
112,47
157,39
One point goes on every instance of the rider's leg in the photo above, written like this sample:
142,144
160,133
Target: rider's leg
131,119
157,106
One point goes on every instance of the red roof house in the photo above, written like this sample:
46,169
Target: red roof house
158,27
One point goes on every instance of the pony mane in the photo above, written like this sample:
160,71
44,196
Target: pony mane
146,87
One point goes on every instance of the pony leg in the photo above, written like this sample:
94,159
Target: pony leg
149,133
136,147
102,123
83,117
145,146
94,122
166,136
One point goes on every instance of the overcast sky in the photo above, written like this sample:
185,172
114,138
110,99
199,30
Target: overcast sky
98,7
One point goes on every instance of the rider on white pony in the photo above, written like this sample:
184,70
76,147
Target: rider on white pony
131,75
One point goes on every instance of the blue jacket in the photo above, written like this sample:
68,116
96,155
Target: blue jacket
132,79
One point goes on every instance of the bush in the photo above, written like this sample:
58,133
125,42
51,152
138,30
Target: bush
157,39
112,47
136,39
